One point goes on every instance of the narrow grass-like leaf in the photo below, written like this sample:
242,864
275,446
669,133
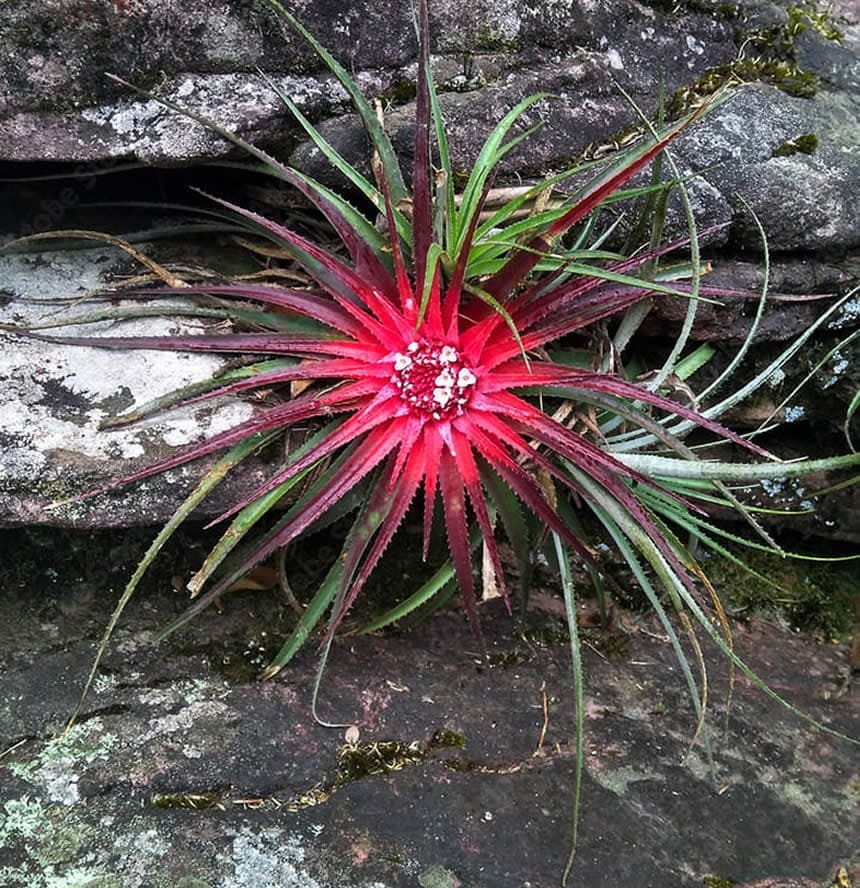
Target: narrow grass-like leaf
694,361
486,161
165,402
849,415
667,467
371,123
204,487
308,621
832,353
447,207
569,594
636,440
359,181
443,580
756,321
649,550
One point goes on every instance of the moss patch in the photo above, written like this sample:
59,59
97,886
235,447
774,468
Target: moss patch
784,75
777,60
718,882
807,16
805,144
816,596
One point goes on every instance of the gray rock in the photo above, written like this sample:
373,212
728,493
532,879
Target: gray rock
58,105
804,196
145,130
183,767
54,397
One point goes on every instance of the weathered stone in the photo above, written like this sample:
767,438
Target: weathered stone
182,767
804,197
54,397
58,105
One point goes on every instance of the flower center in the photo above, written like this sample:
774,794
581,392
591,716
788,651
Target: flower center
433,379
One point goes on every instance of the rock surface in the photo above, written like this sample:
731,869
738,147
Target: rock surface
54,397
183,771
56,105
794,133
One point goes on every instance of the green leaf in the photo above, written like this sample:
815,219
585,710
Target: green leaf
443,582
484,296
308,621
435,255
748,339
381,142
578,694
636,440
679,591
852,409
666,467
196,388
697,359
370,235
446,205
488,157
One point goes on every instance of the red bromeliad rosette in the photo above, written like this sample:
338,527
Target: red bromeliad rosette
432,353
425,362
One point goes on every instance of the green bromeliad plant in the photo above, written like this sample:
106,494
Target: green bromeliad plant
438,351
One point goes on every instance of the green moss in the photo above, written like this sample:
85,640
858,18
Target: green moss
513,657
807,16
815,596
545,634
438,877
718,882
239,660
184,801
488,40
358,760
727,11
784,75
805,144
447,740
777,61
610,644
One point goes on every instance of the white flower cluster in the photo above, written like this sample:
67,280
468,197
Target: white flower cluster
431,378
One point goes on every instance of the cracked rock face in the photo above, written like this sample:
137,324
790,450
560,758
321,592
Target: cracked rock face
53,398
185,771
57,104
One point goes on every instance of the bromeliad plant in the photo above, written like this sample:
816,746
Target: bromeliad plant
438,370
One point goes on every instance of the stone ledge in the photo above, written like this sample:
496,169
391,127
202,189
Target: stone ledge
183,766
53,398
